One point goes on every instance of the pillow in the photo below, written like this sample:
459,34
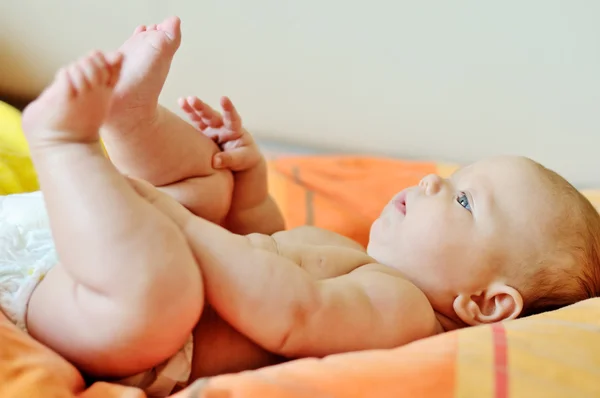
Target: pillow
341,193
16,169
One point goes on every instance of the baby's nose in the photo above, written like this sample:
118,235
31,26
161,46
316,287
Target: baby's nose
432,184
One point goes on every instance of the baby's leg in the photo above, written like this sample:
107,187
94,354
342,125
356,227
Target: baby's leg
146,141
127,292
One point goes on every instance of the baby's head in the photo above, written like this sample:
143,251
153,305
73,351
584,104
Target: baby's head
501,238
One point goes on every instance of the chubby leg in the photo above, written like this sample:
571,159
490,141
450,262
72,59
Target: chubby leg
127,292
145,140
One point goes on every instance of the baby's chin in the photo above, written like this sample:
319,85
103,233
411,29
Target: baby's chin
381,253
373,239
370,249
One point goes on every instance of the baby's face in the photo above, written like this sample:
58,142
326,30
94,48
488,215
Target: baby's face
453,236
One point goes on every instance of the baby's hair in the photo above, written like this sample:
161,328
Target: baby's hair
570,270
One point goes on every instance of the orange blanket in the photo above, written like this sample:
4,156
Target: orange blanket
550,355
344,194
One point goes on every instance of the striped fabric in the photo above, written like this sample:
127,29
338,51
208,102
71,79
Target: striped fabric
550,355
556,354
344,194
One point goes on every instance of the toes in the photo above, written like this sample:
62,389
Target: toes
171,26
93,70
115,62
99,70
77,77
96,69
63,80
84,73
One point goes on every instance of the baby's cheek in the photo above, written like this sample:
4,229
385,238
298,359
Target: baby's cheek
428,243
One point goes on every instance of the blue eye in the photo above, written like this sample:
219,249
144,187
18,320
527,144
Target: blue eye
463,200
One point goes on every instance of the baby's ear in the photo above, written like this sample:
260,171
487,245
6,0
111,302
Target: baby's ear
499,302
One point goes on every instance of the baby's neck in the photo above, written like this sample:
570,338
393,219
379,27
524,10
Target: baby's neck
447,324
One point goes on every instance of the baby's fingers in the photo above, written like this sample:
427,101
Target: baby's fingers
195,119
201,114
225,137
237,159
231,117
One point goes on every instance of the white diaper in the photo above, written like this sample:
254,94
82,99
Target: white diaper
27,252
162,380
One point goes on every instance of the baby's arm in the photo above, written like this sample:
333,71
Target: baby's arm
252,208
369,308
278,305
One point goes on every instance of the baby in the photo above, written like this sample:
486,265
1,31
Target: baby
152,294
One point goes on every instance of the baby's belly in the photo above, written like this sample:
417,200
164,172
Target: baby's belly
219,349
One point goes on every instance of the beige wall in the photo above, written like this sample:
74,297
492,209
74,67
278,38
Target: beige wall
428,79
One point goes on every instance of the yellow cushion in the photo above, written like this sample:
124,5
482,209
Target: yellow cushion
16,170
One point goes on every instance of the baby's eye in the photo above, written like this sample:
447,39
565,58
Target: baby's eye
463,200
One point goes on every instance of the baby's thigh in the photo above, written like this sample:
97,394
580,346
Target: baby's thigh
207,197
102,336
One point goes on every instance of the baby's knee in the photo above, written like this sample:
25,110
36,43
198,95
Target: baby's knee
212,196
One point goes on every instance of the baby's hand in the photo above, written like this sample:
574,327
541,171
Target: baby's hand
239,151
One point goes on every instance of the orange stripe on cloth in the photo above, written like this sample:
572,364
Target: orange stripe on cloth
556,354
422,369
344,194
500,361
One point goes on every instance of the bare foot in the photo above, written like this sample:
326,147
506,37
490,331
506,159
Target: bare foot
146,141
148,55
74,106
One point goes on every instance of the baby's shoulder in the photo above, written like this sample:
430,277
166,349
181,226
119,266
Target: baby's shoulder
389,276
308,235
398,298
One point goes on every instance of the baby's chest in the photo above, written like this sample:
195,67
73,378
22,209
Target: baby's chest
324,262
